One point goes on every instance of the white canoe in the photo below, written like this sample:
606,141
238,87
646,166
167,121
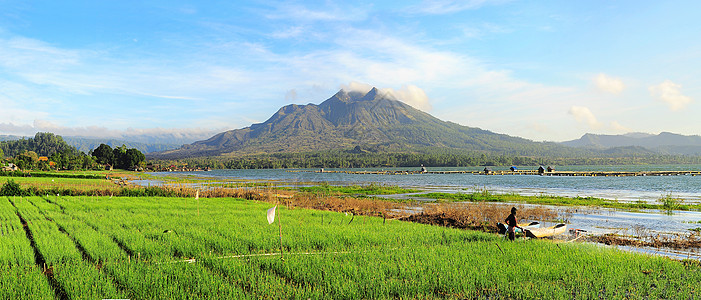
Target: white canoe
545,232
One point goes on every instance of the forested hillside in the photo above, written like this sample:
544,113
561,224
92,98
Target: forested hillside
430,157
27,154
43,144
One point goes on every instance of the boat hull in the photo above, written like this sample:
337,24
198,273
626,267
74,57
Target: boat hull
546,232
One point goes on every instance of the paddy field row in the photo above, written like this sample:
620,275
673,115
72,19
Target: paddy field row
86,247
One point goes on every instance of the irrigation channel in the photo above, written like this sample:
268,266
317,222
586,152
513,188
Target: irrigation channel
621,183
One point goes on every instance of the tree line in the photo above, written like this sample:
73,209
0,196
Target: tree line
27,153
429,158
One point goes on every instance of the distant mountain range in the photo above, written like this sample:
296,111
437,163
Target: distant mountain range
663,143
372,121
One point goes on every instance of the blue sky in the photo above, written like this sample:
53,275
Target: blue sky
543,70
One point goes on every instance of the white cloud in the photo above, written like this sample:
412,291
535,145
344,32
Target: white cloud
584,115
669,92
355,86
103,132
609,84
330,13
409,94
479,31
617,127
12,129
439,7
289,32
291,96
412,95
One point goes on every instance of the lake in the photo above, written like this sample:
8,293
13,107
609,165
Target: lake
632,188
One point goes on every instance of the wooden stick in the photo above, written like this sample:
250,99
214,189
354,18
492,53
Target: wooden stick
279,225
502,251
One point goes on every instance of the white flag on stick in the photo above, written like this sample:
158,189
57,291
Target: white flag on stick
271,215
197,195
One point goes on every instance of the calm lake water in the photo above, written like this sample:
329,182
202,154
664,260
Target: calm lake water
634,188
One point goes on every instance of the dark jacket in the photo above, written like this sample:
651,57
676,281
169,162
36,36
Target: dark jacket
511,220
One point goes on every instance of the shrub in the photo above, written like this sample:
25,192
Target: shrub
11,188
669,203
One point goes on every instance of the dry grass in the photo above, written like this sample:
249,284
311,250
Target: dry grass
478,216
356,206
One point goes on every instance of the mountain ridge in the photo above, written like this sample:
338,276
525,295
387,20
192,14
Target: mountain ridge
351,119
662,143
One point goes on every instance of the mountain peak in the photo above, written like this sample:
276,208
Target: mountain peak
371,95
356,96
638,135
348,119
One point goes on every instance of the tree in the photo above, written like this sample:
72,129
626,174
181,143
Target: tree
134,157
27,160
120,157
127,158
11,188
103,154
59,159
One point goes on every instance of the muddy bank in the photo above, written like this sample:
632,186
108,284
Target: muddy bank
677,242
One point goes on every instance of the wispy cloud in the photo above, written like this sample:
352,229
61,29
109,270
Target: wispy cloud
617,127
409,94
484,29
439,7
584,115
289,32
104,132
609,84
330,12
670,93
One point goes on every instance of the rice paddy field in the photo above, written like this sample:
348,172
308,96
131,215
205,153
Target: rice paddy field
58,247
65,183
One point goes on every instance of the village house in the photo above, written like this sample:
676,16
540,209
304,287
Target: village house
10,167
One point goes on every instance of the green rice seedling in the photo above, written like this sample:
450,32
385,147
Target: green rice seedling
20,277
228,250
24,282
98,246
174,281
63,261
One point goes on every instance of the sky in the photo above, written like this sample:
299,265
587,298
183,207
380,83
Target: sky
542,70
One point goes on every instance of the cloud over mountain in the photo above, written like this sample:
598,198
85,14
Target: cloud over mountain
584,115
669,92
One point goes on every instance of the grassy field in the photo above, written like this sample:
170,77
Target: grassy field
218,248
65,183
